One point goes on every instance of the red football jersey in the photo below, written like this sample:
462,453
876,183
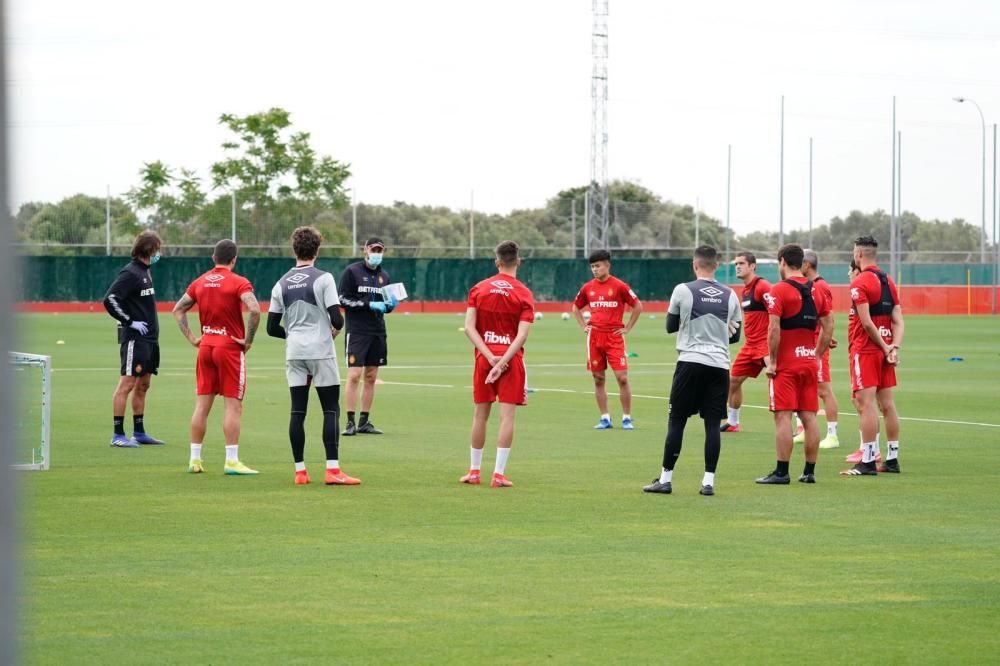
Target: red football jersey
755,316
821,289
798,345
607,301
218,295
501,302
867,288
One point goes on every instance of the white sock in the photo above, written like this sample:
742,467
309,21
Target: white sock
477,458
626,416
232,452
798,424
708,479
300,467
893,450
606,416
861,438
333,464
734,416
666,475
502,455
831,428
870,452
195,451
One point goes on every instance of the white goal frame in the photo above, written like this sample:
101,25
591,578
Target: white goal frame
44,363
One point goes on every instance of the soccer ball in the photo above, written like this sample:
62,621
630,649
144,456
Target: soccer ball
565,316
538,315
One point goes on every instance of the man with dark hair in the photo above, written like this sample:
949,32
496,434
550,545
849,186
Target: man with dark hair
497,321
365,306
707,318
307,299
131,300
220,295
607,297
810,269
875,334
753,356
795,309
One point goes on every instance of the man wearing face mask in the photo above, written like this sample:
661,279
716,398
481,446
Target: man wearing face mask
131,300
365,306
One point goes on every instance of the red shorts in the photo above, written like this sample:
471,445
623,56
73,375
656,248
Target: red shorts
221,370
794,389
605,348
749,362
511,387
871,370
824,368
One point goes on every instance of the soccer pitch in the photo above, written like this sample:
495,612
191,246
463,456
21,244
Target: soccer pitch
129,559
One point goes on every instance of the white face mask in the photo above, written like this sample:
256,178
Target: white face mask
155,258
374,259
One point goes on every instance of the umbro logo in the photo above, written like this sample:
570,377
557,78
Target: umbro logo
711,292
215,277
502,284
298,277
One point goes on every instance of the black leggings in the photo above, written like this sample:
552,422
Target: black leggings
329,399
675,438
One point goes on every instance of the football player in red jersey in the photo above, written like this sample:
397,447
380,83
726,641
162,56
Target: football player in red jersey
221,367
607,297
753,355
810,268
875,331
497,321
795,310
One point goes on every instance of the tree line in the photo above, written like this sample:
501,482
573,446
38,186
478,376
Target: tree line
279,182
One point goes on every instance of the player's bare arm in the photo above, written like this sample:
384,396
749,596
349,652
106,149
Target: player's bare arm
897,334
773,340
523,328
633,318
865,317
253,320
476,339
825,335
580,320
181,308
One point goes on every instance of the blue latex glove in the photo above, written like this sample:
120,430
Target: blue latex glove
140,326
393,302
377,306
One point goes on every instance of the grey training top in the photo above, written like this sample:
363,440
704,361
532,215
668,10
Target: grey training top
705,307
303,295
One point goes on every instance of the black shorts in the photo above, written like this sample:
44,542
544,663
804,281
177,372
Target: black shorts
140,357
365,350
699,389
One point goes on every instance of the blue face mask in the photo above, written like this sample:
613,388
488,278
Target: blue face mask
374,259
155,258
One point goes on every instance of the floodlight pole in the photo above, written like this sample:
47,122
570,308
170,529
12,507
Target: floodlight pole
810,191
107,221
232,215
781,180
892,218
354,223
982,244
729,177
472,225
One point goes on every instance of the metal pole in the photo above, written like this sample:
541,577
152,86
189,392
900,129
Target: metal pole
572,225
781,186
810,191
899,205
892,218
982,118
472,225
232,220
586,224
354,223
697,222
729,176
107,221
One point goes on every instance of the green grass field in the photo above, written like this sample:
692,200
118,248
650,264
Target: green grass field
128,559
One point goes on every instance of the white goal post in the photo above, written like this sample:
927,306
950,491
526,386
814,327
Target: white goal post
33,406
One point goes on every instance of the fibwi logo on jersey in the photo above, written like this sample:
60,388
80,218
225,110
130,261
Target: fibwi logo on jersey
886,333
492,338
214,330
805,352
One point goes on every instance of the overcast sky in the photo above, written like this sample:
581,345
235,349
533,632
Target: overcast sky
431,100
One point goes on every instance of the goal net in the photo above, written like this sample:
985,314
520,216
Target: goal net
32,376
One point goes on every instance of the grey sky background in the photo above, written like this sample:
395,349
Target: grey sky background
430,100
